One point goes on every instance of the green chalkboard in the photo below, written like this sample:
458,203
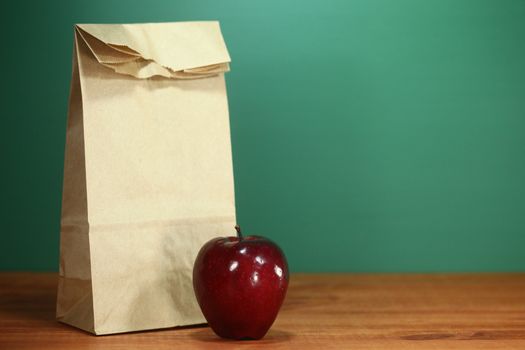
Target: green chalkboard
371,135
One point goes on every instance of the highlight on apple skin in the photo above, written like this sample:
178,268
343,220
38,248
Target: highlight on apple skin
240,284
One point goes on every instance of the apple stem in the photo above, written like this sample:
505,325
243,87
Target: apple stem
239,233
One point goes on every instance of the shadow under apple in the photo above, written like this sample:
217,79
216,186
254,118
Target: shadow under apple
273,336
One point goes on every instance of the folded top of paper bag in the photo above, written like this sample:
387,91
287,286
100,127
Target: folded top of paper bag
182,50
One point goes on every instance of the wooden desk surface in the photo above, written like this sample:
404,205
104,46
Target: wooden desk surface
468,311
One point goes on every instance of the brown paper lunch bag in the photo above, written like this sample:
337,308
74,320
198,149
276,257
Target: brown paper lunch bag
148,175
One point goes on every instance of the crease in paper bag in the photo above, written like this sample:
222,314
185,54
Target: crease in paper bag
169,52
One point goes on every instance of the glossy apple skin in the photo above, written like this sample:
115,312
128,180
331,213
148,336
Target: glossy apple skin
240,285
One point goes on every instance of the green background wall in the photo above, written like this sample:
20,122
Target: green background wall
371,135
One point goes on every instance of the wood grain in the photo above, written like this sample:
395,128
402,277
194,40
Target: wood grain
339,311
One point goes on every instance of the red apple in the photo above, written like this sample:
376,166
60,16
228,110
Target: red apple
240,283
